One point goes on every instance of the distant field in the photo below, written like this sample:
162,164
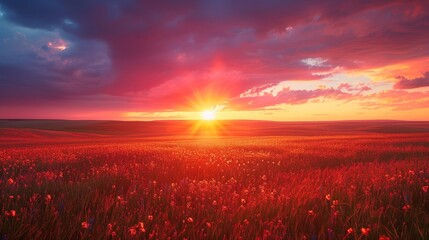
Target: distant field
361,184
86,128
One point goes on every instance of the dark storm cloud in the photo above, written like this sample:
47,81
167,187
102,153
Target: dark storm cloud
38,64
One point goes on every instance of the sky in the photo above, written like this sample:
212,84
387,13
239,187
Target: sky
276,60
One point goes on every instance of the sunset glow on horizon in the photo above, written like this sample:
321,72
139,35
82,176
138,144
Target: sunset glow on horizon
208,115
258,60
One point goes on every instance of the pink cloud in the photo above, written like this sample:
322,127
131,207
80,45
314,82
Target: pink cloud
287,96
405,83
398,100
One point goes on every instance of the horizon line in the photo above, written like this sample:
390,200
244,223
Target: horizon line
216,120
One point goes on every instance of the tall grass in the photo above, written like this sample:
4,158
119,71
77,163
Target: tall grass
359,187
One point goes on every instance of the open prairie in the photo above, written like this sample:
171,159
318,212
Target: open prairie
214,119
76,180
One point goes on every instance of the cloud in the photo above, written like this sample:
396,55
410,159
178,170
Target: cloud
405,83
286,96
315,62
38,64
349,88
158,55
397,100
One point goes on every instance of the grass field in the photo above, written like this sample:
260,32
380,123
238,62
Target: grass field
354,186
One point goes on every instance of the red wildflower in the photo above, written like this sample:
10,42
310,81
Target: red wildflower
85,225
365,231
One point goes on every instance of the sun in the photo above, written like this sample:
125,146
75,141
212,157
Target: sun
208,115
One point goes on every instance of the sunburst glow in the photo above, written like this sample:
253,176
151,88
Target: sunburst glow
208,115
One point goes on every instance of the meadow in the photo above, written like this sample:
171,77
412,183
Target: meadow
370,186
